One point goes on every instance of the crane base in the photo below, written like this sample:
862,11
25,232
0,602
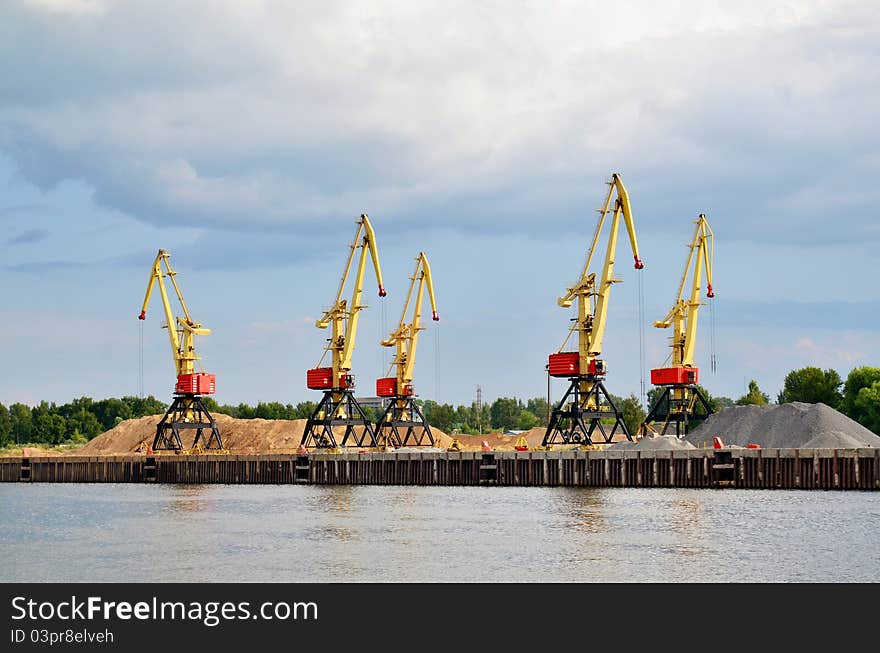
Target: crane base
187,412
571,423
678,412
338,408
403,425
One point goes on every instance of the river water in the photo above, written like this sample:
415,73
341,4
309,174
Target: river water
167,533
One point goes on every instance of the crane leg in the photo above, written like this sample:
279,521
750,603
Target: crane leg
403,424
187,412
678,412
577,417
338,409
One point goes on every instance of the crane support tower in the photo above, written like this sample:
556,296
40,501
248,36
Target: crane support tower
338,407
579,414
403,424
187,412
677,402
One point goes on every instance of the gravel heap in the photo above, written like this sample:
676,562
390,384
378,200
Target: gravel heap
657,443
786,426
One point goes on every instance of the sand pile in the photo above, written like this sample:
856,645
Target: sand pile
273,436
658,443
794,425
239,435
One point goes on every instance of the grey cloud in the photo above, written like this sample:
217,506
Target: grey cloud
495,125
29,237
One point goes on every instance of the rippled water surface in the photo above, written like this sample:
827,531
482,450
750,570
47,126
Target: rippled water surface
357,534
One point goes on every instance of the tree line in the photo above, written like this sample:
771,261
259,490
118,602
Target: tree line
78,421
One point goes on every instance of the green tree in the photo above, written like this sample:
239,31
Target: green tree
48,426
304,409
813,386
441,416
370,413
527,420
867,407
858,378
860,398
505,413
270,410
539,407
6,436
722,403
111,411
633,413
22,423
754,396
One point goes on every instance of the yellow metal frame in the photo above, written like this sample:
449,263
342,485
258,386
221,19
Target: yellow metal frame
592,294
683,314
406,336
181,330
343,315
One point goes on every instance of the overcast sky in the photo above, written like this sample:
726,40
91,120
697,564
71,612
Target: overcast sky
246,137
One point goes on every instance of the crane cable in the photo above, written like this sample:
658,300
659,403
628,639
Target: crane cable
437,363
141,358
712,350
382,335
642,354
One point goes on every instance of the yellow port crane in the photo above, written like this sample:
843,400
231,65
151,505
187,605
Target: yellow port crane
338,407
581,410
677,402
187,412
402,419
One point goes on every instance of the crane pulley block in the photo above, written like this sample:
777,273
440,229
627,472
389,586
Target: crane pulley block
675,376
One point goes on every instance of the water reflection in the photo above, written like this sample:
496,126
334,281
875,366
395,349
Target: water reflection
584,509
434,534
188,499
333,498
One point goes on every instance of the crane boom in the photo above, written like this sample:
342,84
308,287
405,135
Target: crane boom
684,312
679,390
402,423
343,316
575,422
186,412
181,330
338,407
406,337
592,299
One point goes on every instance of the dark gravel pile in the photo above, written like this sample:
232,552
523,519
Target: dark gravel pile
785,426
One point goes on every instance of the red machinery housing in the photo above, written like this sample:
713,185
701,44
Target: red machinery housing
675,376
321,378
387,387
199,383
567,364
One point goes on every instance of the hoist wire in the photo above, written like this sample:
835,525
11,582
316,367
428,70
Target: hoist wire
642,353
713,351
383,334
437,363
141,359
